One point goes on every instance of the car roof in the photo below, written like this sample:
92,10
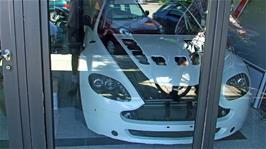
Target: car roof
124,1
178,2
169,5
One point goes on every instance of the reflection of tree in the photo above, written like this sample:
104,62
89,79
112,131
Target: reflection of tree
199,5
197,9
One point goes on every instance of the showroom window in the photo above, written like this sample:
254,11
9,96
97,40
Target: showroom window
133,74
125,72
130,72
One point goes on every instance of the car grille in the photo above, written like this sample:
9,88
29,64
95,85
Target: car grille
159,110
163,134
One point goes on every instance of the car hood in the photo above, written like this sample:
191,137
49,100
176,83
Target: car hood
146,77
168,48
137,26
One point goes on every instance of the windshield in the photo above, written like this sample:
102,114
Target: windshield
180,18
124,11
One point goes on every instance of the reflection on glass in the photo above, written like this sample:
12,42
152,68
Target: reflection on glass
243,86
124,71
3,118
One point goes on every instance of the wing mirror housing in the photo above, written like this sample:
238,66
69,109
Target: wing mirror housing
147,13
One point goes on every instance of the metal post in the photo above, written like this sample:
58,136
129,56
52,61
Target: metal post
211,75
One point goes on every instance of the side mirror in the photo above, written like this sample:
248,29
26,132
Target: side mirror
87,20
147,12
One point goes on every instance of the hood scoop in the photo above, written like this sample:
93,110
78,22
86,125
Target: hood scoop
159,60
136,51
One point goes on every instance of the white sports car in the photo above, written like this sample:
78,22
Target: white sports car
140,85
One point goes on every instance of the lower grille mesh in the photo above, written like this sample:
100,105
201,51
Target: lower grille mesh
164,134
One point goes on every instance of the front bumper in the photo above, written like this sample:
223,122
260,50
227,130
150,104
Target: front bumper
106,119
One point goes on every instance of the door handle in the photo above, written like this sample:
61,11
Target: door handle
5,54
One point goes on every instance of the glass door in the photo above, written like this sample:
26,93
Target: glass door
124,73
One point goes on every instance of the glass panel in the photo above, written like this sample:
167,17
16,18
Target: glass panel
125,72
3,117
243,89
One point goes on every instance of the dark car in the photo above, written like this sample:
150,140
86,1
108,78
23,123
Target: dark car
169,15
128,17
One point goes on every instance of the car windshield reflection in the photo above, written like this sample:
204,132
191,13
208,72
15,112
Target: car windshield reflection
124,11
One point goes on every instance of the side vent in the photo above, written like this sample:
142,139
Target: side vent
158,60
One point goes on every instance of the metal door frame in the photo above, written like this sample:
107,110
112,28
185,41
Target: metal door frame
212,73
15,87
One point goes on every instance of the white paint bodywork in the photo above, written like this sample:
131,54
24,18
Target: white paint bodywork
103,115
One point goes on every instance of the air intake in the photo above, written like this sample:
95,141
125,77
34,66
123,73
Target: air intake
181,61
136,51
158,60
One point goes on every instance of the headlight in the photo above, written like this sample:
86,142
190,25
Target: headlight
236,87
108,87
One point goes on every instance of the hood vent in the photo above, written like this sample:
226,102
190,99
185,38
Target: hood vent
136,51
129,41
195,58
181,61
131,45
158,60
